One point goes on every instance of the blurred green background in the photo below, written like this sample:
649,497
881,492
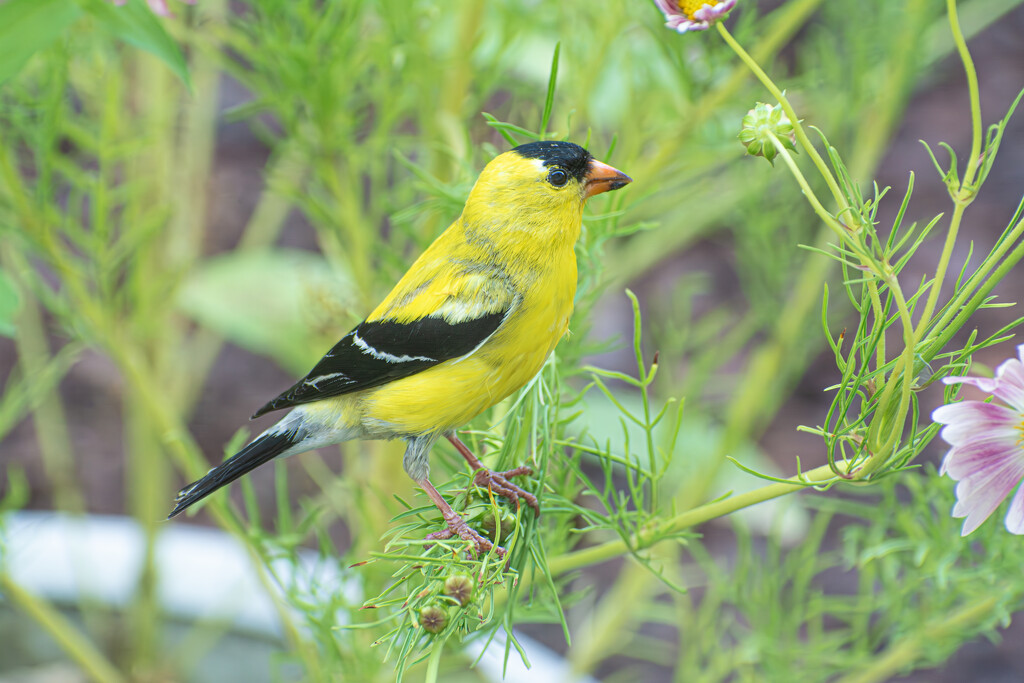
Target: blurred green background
181,251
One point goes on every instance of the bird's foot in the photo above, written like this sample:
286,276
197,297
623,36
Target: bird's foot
458,527
499,483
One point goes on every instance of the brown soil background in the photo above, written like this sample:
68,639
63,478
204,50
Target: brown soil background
241,380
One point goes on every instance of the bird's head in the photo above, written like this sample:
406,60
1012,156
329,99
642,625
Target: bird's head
541,187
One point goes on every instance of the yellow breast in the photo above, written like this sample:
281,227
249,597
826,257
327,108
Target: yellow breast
449,395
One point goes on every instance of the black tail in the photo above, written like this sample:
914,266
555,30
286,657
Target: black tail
265,448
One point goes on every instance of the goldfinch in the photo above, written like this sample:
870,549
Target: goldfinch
472,321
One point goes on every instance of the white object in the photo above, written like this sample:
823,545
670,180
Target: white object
203,574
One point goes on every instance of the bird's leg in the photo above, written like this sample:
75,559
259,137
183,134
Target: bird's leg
456,525
496,481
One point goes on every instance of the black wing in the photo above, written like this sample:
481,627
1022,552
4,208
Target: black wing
379,352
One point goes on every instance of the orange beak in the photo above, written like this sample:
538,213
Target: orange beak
603,178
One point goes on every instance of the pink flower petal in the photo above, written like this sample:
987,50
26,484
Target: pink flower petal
987,439
699,20
991,473
976,511
1015,516
682,25
981,453
709,12
986,384
159,7
1011,383
1007,385
979,496
966,418
985,477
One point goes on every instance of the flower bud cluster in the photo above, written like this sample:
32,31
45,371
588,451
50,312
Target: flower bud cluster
760,124
460,589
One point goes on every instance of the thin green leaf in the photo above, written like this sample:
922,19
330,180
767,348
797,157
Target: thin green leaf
10,302
27,26
136,25
549,100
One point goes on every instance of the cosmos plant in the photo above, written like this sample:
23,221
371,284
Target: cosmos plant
987,457
346,96
693,15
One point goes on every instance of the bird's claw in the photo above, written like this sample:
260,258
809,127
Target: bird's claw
499,483
458,527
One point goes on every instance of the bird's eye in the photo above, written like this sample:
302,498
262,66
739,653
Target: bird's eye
558,177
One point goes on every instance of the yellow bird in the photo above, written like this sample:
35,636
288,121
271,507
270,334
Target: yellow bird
472,321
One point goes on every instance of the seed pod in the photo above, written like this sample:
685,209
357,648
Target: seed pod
433,618
758,123
460,587
486,524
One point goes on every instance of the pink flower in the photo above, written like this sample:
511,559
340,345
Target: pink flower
157,6
987,454
693,15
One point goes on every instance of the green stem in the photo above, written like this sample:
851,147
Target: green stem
765,366
434,662
150,329
893,427
843,234
456,92
768,363
940,269
798,129
963,312
287,168
646,377
48,417
975,98
70,639
954,306
194,150
97,328
907,357
855,246
965,193
826,217
892,82
789,19
177,441
146,473
878,312
196,145
698,515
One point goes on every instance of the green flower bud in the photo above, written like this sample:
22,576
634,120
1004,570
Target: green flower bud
480,515
433,618
758,123
508,524
460,587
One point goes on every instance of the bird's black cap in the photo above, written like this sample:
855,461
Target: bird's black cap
567,156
